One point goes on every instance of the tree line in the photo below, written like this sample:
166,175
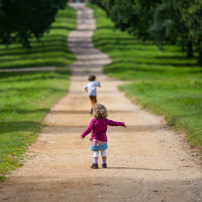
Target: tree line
177,22
21,20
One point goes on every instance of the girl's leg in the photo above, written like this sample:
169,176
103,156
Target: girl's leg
104,158
95,159
95,155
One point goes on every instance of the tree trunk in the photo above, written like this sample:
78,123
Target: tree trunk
190,49
200,52
200,57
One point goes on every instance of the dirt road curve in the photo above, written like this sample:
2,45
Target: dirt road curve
146,161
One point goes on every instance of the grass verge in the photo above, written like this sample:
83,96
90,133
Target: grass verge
166,82
26,97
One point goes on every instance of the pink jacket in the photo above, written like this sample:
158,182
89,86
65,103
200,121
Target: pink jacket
98,128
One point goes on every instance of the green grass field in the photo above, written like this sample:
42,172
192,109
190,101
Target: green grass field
165,82
26,97
51,50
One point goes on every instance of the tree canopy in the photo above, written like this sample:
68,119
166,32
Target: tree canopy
178,22
20,20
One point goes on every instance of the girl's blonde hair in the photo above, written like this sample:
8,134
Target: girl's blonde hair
100,111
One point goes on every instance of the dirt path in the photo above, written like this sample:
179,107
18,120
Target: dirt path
147,161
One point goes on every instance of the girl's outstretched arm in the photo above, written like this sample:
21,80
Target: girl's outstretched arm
115,123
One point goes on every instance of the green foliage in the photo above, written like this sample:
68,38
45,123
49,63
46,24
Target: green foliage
133,16
21,20
191,15
165,24
51,50
178,22
163,82
97,2
123,20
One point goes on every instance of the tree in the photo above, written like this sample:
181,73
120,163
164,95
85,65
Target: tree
178,22
133,16
116,10
98,3
168,26
191,14
21,20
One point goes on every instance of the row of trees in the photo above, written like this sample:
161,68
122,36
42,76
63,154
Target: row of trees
177,22
21,20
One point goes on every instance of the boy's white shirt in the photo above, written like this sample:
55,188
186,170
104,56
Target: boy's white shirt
91,87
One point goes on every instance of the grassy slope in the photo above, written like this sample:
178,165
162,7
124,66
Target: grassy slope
51,50
164,82
26,97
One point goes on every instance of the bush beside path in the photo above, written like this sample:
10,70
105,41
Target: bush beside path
147,161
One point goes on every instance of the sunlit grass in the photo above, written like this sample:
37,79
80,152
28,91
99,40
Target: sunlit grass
25,99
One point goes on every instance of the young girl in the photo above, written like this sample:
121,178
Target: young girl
90,87
98,129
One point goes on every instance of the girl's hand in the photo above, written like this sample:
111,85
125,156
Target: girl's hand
81,137
125,126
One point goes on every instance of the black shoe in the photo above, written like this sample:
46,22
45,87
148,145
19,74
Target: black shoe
94,166
104,165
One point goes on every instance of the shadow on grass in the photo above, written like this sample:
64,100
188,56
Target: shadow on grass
125,41
104,27
133,68
25,111
36,64
184,65
61,28
61,15
29,90
10,127
151,68
52,41
198,71
111,39
51,47
37,76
